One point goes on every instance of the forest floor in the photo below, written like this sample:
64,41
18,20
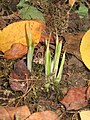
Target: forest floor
70,29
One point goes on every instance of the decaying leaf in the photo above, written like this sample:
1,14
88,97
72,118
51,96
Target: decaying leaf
88,92
85,115
9,113
17,50
23,113
18,78
73,43
75,98
85,49
45,115
15,33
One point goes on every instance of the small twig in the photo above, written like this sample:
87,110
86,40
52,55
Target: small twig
23,96
11,16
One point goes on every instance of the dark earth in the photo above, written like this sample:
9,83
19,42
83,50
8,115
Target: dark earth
75,74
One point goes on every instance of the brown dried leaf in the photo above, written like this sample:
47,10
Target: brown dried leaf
17,50
45,115
75,98
72,44
88,92
18,78
9,113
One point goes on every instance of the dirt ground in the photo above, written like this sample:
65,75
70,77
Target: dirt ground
75,74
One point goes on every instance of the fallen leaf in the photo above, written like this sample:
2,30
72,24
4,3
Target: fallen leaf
9,113
30,12
71,2
45,115
85,115
82,11
75,98
23,113
17,50
88,92
15,33
72,44
18,78
85,49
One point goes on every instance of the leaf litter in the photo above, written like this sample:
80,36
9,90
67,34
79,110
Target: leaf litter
73,74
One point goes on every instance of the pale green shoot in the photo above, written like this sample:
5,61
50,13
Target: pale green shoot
30,51
54,66
58,78
47,60
17,117
56,58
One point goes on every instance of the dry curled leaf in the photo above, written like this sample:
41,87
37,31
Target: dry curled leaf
45,115
23,113
88,92
15,33
19,77
17,50
85,49
75,99
72,43
9,113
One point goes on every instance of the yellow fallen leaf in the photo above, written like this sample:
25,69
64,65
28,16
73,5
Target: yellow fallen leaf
85,49
85,115
15,33
71,2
